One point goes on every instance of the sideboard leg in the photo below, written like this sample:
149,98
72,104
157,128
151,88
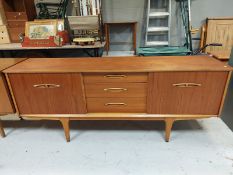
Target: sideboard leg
65,123
2,133
169,123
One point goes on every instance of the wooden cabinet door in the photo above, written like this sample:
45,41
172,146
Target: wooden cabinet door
186,92
48,93
5,101
220,31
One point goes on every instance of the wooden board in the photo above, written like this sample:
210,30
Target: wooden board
2,16
7,62
4,36
120,64
203,96
220,31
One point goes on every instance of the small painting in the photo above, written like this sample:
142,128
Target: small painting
41,30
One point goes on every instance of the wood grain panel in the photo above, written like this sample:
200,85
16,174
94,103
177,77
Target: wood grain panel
120,64
164,98
66,98
15,32
116,90
6,106
7,62
118,105
115,77
220,31
16,16
13,24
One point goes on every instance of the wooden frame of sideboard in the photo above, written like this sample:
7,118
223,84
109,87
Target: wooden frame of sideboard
66,118
168,118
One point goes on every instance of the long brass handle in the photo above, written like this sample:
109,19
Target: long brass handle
43,86
187,85
115,76
115,104
115,89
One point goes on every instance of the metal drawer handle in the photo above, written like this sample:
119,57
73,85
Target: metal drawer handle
115,104
115,89
115,76
187,85
43,86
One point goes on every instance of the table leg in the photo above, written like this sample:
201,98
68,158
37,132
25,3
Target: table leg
2,133
107,33
134,27
169,123
65,123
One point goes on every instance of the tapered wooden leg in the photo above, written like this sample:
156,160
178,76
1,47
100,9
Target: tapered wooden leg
2,133
65,123
169,123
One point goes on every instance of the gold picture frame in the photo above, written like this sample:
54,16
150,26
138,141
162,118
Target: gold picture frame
41,29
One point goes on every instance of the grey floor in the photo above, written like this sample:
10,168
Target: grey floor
202,147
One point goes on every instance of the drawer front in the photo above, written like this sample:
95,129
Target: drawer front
15,24
5,102
116,90
115,77
14,34
186,92
48,93
16,16
119,105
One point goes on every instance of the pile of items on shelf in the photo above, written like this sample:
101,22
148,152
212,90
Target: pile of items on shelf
19,23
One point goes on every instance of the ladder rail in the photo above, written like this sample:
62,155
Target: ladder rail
148,18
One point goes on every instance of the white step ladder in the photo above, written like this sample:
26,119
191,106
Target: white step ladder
158,23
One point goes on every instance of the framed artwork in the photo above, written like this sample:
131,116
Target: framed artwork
60,23
41,29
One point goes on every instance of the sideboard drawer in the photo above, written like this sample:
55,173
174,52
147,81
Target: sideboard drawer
128,105
115,77
186,92
116,90
48,93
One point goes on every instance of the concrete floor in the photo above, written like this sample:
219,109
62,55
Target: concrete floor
202,147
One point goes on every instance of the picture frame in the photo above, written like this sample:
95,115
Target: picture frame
41,29
60,23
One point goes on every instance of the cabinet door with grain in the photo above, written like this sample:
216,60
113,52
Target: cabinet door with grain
48,93
188,93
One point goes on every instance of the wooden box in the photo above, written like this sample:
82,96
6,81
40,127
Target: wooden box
2,17
4,36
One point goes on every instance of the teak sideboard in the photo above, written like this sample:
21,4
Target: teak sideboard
119,88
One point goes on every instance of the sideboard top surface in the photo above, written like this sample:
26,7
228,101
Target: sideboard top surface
119,64
7,62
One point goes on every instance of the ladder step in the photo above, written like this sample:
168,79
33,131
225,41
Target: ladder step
157,43
158,14
158,29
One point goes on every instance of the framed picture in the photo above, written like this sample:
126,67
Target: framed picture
41,29
60,23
